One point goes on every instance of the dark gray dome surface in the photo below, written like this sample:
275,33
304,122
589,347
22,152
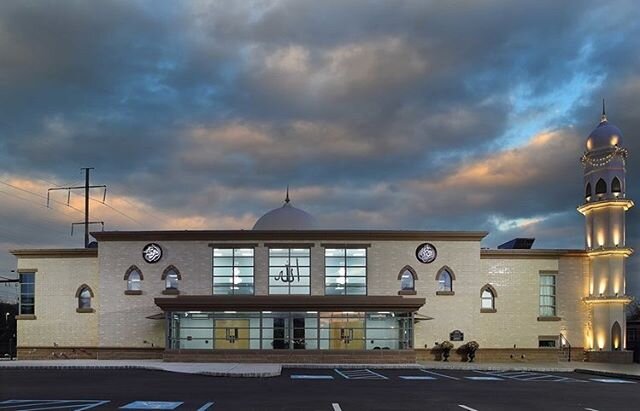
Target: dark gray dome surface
286,217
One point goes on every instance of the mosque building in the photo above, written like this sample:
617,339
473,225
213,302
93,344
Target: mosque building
290,291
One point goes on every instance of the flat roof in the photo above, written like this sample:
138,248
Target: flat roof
55,252
531,253
276,235
288,303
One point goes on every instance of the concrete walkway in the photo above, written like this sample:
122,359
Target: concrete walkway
273,370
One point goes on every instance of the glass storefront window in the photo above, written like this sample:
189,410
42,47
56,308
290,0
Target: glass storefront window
308,330
345,271
289,271
233,271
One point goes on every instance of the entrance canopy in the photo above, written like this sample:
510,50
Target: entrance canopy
289,303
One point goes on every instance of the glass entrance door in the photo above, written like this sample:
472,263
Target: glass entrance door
289,331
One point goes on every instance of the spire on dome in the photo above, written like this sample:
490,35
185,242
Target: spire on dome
603,118
286,200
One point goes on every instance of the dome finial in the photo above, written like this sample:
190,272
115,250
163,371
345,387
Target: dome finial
603,118
286,200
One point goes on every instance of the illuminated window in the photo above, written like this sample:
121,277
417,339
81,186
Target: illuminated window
345,271
547,295
289,271
233,271
601,187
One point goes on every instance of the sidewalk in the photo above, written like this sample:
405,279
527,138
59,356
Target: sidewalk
273,370
213,369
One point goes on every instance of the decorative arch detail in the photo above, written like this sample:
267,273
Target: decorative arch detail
490,288
410,269
601,187
616,186
447,269
82,288
616,337
587,191
170,268
132,269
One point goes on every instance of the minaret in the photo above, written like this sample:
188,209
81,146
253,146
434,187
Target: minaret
604,208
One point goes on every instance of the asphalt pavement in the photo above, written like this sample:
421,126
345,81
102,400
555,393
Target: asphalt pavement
316,389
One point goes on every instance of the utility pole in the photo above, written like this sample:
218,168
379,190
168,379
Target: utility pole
87,186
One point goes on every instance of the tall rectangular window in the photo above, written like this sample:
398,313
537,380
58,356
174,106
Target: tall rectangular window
233,271
289,271
27,293
345,271
547,295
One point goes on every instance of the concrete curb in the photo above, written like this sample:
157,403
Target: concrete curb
608,374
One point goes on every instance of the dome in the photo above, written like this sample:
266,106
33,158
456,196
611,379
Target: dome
286,217
604,136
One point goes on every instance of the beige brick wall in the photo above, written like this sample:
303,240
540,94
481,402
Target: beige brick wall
57,322
122,319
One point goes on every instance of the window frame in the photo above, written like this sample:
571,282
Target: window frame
494,294
346,266
23,294
554,296
233,267
452,277
127,278
414,277
170,271
87,307
289,247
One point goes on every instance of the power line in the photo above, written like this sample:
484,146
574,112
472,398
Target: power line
38,195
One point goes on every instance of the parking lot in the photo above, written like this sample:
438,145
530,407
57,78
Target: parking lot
338,389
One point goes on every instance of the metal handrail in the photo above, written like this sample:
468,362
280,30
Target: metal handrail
564,347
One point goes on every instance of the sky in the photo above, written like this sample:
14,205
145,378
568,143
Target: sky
452,115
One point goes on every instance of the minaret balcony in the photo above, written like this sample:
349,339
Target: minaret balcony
607,299
606,203
607,251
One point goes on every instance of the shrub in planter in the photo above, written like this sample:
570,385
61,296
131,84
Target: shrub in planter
446,347
472,347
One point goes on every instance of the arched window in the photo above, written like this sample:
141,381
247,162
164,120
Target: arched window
84,294
616,337
445,277
488,296
601,187
171,276
616,187
587,192
134,278
407,277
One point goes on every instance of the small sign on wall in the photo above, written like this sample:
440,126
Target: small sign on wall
456,335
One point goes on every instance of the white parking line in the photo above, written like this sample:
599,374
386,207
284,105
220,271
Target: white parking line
591,409
336,406
612,381
467,408
311,377
205,407
361,374
439,375
76,405
487,378
417,377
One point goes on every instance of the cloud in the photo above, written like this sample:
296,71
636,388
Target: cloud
465,115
